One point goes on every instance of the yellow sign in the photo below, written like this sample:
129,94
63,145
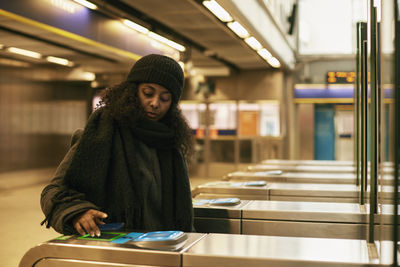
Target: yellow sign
341,77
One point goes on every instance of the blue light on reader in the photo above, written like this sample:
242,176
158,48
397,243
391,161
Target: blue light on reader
159,236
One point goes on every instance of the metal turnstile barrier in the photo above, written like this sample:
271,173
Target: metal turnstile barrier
211,250
217,250
305,219
311,169
244,190
300,168
218,219
326,163
68,251
345,193
278,191
290,162
293,177
289,218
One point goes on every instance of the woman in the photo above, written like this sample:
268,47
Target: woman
128,164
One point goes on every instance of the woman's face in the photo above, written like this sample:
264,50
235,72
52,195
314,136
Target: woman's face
155,99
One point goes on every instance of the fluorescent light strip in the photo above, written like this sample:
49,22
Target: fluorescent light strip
218,10
32,54
24,52
237,28
89,76
135,26
240,31
86,4
166,41
153,35
253,43
264,53
59,60
274,62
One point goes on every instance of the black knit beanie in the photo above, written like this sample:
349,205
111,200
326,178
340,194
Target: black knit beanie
161,70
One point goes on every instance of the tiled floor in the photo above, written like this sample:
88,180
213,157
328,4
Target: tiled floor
21,214
20,227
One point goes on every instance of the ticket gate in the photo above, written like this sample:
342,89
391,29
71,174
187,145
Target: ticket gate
310,169
300,168
292,177
346,193
260,190
326,163
386,193
325,192
244,190
211,250
305,219
313,219
301,177
215,250
112,249
223,217
288,218
289,162
279,191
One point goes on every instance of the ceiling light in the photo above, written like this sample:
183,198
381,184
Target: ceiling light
24,52
59,60
218,10
166,41
264,53
89,76
135,26
237,28
86,4
274,62
253,43
65,5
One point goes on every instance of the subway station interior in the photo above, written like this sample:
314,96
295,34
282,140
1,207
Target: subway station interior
294,108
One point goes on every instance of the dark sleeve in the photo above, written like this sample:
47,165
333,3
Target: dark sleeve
60,203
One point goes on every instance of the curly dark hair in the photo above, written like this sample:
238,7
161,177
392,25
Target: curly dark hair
123,104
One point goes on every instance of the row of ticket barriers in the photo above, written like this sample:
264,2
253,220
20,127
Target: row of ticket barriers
294,200
278,213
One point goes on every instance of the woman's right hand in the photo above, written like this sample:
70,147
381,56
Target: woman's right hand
87,222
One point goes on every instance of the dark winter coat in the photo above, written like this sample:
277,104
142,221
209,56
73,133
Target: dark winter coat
133,173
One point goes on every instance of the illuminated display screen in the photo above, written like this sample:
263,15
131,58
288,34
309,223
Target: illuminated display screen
340,77
103,237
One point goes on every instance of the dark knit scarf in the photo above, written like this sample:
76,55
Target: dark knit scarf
105,169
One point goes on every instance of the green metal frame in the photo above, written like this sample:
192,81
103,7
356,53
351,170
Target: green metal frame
374,126
364,119
396,131
357,105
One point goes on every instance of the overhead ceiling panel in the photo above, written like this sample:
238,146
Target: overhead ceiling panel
185,17
195,23
89,57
